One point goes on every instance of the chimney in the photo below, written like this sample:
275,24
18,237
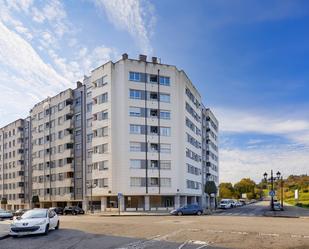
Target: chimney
154,60
125,56
79,84
143,57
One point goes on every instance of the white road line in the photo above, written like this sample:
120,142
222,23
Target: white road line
295,236
269,234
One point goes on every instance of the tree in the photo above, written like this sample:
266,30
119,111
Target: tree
35,199
4,201
245,186
210,188
226,190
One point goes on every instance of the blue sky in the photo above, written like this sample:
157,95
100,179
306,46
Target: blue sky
248,59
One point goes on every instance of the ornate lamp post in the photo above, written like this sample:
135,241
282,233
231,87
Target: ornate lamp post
271,180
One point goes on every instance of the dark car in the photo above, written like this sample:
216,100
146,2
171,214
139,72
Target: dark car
20,212
73,210
57,210
188,209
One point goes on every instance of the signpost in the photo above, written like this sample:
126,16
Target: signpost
120,195
272,193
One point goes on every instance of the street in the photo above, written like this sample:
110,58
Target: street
255,209
234,228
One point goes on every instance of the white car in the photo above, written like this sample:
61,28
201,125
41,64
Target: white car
5,214
35,221
226,203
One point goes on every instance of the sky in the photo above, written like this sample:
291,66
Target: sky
248,59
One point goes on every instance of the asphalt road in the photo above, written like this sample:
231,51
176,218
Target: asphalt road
233,228
74,239
256,209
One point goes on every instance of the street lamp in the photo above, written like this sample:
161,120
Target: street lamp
91,186
271,180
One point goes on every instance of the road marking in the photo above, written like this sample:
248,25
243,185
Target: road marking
306,236
243,233
269,234
295,236
215,231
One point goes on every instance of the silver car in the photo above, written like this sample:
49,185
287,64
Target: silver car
5,214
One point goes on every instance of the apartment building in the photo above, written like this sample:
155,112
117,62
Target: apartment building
133,135
210,152
147,136
58,127
15,184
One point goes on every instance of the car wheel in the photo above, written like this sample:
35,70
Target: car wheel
46,229
58,224
199,213
179,213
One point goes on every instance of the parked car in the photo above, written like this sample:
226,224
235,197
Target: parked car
58,210
243,202
5,214
238,204
73,210
20,212
277,206
35,221
225,204
188,209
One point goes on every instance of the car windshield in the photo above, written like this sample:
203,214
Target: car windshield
33,214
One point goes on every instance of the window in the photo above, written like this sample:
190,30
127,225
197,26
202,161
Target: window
154,181
135,76
100,149
89,122
78,101
164,97
164,80
153,113
136,181
102,165
154,147
100,82
165,182
165,114
78,117
40,115
60,106
153,96
135,94
89,138
101,115
135,129
153,78
103,183
103,98
154,130
165,164
135,164
134,146
135,111
165,131
165,148
101,132
89,107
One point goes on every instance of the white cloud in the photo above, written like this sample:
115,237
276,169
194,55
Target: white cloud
134,16
238,163
24,74
284,124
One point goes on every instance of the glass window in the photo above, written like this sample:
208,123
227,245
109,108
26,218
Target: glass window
165,114
135,94
165,131
135,164
134,146
164,97
135,111
135,76
135,129
164,80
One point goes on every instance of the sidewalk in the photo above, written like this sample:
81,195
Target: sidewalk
142,213
4,228
289,212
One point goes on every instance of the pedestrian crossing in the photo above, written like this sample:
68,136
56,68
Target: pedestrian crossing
238,214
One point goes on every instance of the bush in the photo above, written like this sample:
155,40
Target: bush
306,191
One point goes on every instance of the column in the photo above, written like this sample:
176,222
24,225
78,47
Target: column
121,204
85,205
147,203
177,201
103,203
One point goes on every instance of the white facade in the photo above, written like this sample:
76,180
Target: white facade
168,171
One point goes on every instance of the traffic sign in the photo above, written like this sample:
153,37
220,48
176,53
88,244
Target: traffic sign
272,193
